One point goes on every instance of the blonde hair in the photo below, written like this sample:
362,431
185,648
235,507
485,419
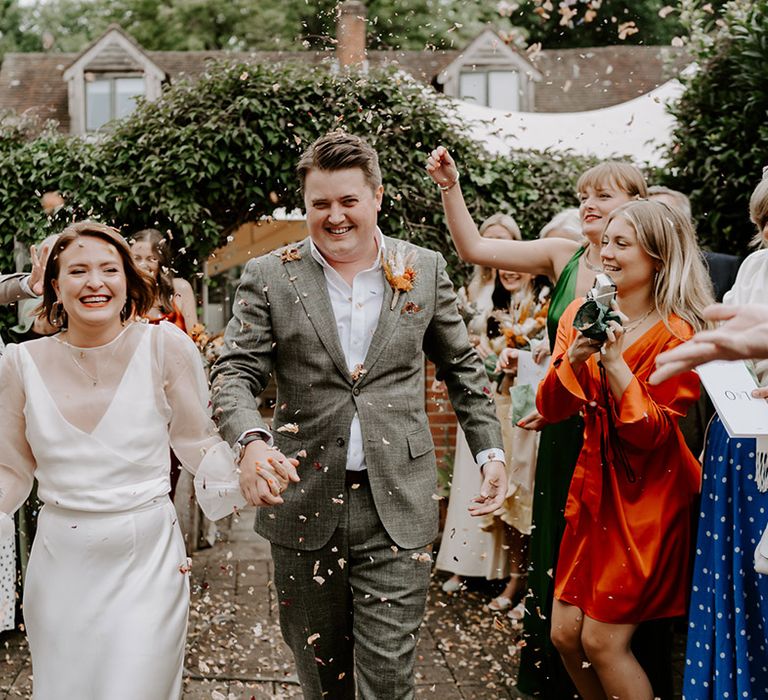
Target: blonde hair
758,212
681,200
626,177
567,220
482,273
682,285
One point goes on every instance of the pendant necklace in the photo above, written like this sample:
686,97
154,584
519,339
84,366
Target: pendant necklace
72,354
634,324
94,379
588,264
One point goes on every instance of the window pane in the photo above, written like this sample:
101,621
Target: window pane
126,90
472,88
504,89
97,103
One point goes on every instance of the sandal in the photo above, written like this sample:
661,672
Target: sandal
499,604
451,585
517,613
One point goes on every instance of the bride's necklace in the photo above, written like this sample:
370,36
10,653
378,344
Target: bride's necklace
629,327
588,264
94,378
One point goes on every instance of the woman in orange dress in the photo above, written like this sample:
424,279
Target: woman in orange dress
174,298
625,554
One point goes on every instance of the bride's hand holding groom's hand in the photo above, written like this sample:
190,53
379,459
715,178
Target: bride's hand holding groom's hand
265,473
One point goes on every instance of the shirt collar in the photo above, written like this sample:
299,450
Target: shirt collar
380,244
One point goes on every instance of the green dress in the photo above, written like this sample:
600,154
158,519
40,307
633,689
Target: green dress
541,670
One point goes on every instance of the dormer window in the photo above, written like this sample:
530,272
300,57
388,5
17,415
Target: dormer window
109,97
491,73
499,89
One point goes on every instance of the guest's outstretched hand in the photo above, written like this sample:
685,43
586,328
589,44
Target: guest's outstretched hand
493,490
743,335
265,473
441,167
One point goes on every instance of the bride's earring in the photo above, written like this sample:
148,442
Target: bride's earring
58,315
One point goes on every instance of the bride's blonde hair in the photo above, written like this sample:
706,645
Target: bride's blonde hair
682,285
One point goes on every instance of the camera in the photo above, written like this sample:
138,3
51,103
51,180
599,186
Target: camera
594,314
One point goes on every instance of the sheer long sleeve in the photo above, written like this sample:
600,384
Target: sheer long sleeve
193,435
17,464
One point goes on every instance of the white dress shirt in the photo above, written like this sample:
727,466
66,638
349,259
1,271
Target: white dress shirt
357,309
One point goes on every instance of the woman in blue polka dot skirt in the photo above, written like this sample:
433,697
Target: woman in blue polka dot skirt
727,653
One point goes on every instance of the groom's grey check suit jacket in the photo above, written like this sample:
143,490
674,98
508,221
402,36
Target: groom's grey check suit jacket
283,323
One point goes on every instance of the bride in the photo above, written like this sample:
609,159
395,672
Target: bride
91,413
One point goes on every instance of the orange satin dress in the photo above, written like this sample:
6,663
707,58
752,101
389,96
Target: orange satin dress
175,317
625,556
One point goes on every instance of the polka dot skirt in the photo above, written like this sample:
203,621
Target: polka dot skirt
7,582
726,656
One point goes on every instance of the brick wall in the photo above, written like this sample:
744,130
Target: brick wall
442,420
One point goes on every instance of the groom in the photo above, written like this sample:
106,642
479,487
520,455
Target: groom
344,319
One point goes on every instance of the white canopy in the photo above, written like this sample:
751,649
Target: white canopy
639,128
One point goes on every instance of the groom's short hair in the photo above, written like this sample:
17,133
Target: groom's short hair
339,150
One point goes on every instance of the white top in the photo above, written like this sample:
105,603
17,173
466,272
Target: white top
357,309
122,405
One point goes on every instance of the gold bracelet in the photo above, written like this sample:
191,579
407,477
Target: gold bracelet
445,188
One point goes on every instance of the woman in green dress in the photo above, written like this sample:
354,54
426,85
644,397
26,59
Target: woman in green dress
572,266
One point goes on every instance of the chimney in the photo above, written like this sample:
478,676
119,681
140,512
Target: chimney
350,34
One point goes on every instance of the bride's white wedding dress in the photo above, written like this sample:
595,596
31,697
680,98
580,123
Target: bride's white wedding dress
107,588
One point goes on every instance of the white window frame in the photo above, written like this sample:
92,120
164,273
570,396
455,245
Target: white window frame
112,78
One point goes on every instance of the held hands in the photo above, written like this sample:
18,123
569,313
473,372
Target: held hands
493,490
442,168
265,473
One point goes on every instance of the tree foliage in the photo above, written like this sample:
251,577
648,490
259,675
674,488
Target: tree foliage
67,25
720,143
212,155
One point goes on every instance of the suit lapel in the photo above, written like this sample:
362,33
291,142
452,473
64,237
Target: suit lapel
388,318
308,279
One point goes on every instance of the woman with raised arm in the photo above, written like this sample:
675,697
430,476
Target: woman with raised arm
91,414
572,267
626,551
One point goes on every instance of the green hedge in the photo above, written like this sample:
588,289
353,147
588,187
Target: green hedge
720,143
221,151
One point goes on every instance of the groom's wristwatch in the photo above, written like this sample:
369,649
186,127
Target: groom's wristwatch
247,438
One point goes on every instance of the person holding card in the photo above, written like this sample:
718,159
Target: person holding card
624,557
728,619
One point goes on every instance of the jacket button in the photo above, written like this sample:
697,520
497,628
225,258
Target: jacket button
340,442
356,391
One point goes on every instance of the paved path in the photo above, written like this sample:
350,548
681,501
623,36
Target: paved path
235,651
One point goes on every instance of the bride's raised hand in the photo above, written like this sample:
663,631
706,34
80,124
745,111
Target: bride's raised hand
441,167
